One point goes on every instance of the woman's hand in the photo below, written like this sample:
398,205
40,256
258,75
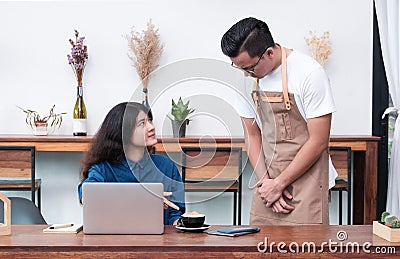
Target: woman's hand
167,194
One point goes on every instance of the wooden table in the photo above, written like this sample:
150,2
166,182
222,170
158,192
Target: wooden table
29,241
365,163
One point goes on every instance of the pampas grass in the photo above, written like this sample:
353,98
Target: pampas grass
145,51
319,47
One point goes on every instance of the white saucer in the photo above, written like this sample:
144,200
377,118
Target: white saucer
200,229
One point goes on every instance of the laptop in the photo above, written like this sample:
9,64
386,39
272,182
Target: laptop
123,208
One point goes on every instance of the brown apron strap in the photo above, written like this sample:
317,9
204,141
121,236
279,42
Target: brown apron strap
256,88
255,85
284,80
269,99
255,97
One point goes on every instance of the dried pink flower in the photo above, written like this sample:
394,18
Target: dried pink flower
78,57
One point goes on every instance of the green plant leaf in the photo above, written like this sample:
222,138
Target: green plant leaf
180,110
384,215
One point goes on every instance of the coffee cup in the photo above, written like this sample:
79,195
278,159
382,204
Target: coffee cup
192,220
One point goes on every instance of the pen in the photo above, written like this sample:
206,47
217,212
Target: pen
61,226
172,205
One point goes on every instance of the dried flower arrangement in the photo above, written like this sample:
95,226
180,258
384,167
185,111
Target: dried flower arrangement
319,47
147,49
78,57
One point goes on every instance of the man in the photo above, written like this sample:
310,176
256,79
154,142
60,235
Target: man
294,103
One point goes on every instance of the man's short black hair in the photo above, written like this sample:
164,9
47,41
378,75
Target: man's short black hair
249,34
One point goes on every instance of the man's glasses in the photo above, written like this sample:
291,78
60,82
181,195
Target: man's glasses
251,69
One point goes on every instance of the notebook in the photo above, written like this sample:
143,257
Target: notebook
63,228
123,208
234,231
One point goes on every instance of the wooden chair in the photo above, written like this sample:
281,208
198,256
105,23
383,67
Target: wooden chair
341,160
214,170
17,170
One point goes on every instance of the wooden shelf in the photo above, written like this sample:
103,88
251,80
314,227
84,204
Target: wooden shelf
66,143
365,159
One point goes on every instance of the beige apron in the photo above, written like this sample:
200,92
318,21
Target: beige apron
284,131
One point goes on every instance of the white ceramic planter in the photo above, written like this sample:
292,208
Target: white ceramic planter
40,129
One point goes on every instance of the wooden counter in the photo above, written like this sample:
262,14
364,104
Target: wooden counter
28,241
365,163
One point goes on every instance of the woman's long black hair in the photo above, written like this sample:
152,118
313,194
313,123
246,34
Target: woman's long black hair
116,129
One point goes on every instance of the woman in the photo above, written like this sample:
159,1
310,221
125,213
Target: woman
119,154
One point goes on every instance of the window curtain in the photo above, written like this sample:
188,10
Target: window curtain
387,12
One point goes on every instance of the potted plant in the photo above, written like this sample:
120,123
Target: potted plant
39,123
180,112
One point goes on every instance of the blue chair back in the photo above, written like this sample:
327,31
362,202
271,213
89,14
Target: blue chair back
23,212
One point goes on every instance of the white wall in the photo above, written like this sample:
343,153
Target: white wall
34,71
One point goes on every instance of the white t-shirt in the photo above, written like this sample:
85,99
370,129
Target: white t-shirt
308,82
